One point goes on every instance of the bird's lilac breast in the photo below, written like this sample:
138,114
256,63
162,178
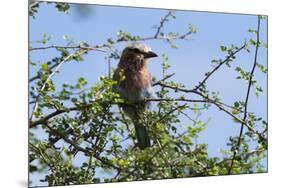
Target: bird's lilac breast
136,86
136,94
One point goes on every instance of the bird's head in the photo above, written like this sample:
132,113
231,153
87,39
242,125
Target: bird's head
136,55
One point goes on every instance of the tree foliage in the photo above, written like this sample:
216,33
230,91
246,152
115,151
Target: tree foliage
83,120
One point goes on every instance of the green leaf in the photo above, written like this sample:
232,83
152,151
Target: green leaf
252,31
262,68
223,48
235,111
110,41
74,100
45,67
236,104
186,139
263,17
174,46
191,28
62,7
43,77
252,42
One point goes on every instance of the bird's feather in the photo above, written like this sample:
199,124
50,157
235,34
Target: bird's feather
134,84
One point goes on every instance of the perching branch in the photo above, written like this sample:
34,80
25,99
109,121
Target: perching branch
85,106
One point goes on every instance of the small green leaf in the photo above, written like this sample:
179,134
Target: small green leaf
82,81
253,42
262,17
110,41
252,31
45,67
223,48
173,46
191,28
186,139
235,111
74,100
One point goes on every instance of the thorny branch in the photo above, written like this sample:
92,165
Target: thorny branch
247,99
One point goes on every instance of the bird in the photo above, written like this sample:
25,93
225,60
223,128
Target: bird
134,85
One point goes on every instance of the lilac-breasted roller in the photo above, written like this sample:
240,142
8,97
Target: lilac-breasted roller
134,85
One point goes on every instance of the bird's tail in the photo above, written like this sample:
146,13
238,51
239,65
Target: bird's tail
142,136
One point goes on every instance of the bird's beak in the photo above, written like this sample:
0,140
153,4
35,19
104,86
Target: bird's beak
150,54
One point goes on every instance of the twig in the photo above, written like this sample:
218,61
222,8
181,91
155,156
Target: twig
79,148
38,75
34,3
44,119
246,101
109,68
46,81
216,103
218,66
94,148
165,78
171,99
163,20
60,111
88,48
188,117
247,154
243,121
45,160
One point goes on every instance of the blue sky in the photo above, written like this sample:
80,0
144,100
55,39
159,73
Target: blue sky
190,61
